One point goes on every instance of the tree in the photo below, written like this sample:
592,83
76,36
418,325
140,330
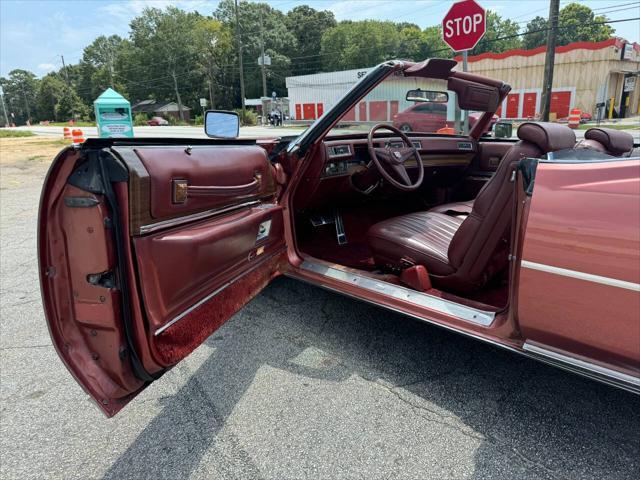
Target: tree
70,106
434,45
359,44
164,49
576,23
497,29
535,33
50,91
307,25
99,67
214,46
20,90
260,24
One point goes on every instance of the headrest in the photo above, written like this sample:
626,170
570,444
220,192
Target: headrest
614,141
591,145
549,137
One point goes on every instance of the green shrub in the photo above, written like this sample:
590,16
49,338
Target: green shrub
140,119
198,120
248,119
175,121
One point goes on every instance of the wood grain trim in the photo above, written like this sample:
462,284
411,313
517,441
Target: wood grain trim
139,190
140,193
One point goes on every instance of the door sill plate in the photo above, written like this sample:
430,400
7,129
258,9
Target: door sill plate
457,310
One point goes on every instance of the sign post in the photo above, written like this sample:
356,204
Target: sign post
462,28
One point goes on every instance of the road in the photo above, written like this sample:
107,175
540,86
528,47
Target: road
301,384
198,132
173,132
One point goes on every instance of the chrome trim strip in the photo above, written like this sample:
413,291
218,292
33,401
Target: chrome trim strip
174,222
527,353
472,315
210,296
586,368
588,277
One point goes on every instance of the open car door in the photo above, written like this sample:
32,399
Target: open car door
146,249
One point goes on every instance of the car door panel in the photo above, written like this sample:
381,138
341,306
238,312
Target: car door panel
182,265
121,260
578,284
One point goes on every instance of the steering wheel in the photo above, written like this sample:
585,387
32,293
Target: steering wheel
392,159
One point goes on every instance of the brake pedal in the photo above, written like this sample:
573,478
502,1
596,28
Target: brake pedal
341,235
320,220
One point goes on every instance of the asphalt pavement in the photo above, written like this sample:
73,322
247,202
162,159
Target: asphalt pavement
301,384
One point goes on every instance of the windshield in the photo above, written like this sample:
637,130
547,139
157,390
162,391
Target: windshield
412,104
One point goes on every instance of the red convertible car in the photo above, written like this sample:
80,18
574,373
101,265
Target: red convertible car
147,246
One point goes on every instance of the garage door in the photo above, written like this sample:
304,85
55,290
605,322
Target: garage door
529,104
309,111
378,110
513,102
560,103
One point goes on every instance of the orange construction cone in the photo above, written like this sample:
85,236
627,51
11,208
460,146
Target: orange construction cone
447,130
574,118
77,136
66,133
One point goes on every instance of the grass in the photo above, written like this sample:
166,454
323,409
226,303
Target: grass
614,126
77,124
15,133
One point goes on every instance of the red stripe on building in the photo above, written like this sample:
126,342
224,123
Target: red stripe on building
535,51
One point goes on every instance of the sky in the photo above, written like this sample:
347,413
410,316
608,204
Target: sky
35,33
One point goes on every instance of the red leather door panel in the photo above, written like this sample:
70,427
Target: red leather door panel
181,266
221,166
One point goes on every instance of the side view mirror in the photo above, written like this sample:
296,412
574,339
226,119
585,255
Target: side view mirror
427,96
221,124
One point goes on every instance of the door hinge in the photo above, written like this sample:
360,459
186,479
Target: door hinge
104,279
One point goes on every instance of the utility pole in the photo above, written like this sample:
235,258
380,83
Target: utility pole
465,115
4,108
554,7
239,42
64,69
262,65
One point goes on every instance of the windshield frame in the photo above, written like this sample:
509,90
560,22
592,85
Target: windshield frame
325,123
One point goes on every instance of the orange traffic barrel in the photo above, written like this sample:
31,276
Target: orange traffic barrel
66,133
77,136
447,130
574,118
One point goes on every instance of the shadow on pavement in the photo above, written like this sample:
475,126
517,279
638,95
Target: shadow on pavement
530,420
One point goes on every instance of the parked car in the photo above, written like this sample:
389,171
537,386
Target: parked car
158,122
430,117
147,246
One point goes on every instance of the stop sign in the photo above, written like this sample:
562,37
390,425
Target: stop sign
464,25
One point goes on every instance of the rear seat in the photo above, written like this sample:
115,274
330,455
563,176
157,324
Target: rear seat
616,143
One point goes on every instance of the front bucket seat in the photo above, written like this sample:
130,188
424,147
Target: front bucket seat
460,253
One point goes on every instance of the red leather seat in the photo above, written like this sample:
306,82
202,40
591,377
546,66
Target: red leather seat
464,253
455,208
607,140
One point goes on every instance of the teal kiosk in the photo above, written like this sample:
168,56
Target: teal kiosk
113,115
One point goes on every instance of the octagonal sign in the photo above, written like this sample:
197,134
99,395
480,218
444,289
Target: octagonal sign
464,25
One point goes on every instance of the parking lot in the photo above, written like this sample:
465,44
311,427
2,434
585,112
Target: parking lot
302,383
